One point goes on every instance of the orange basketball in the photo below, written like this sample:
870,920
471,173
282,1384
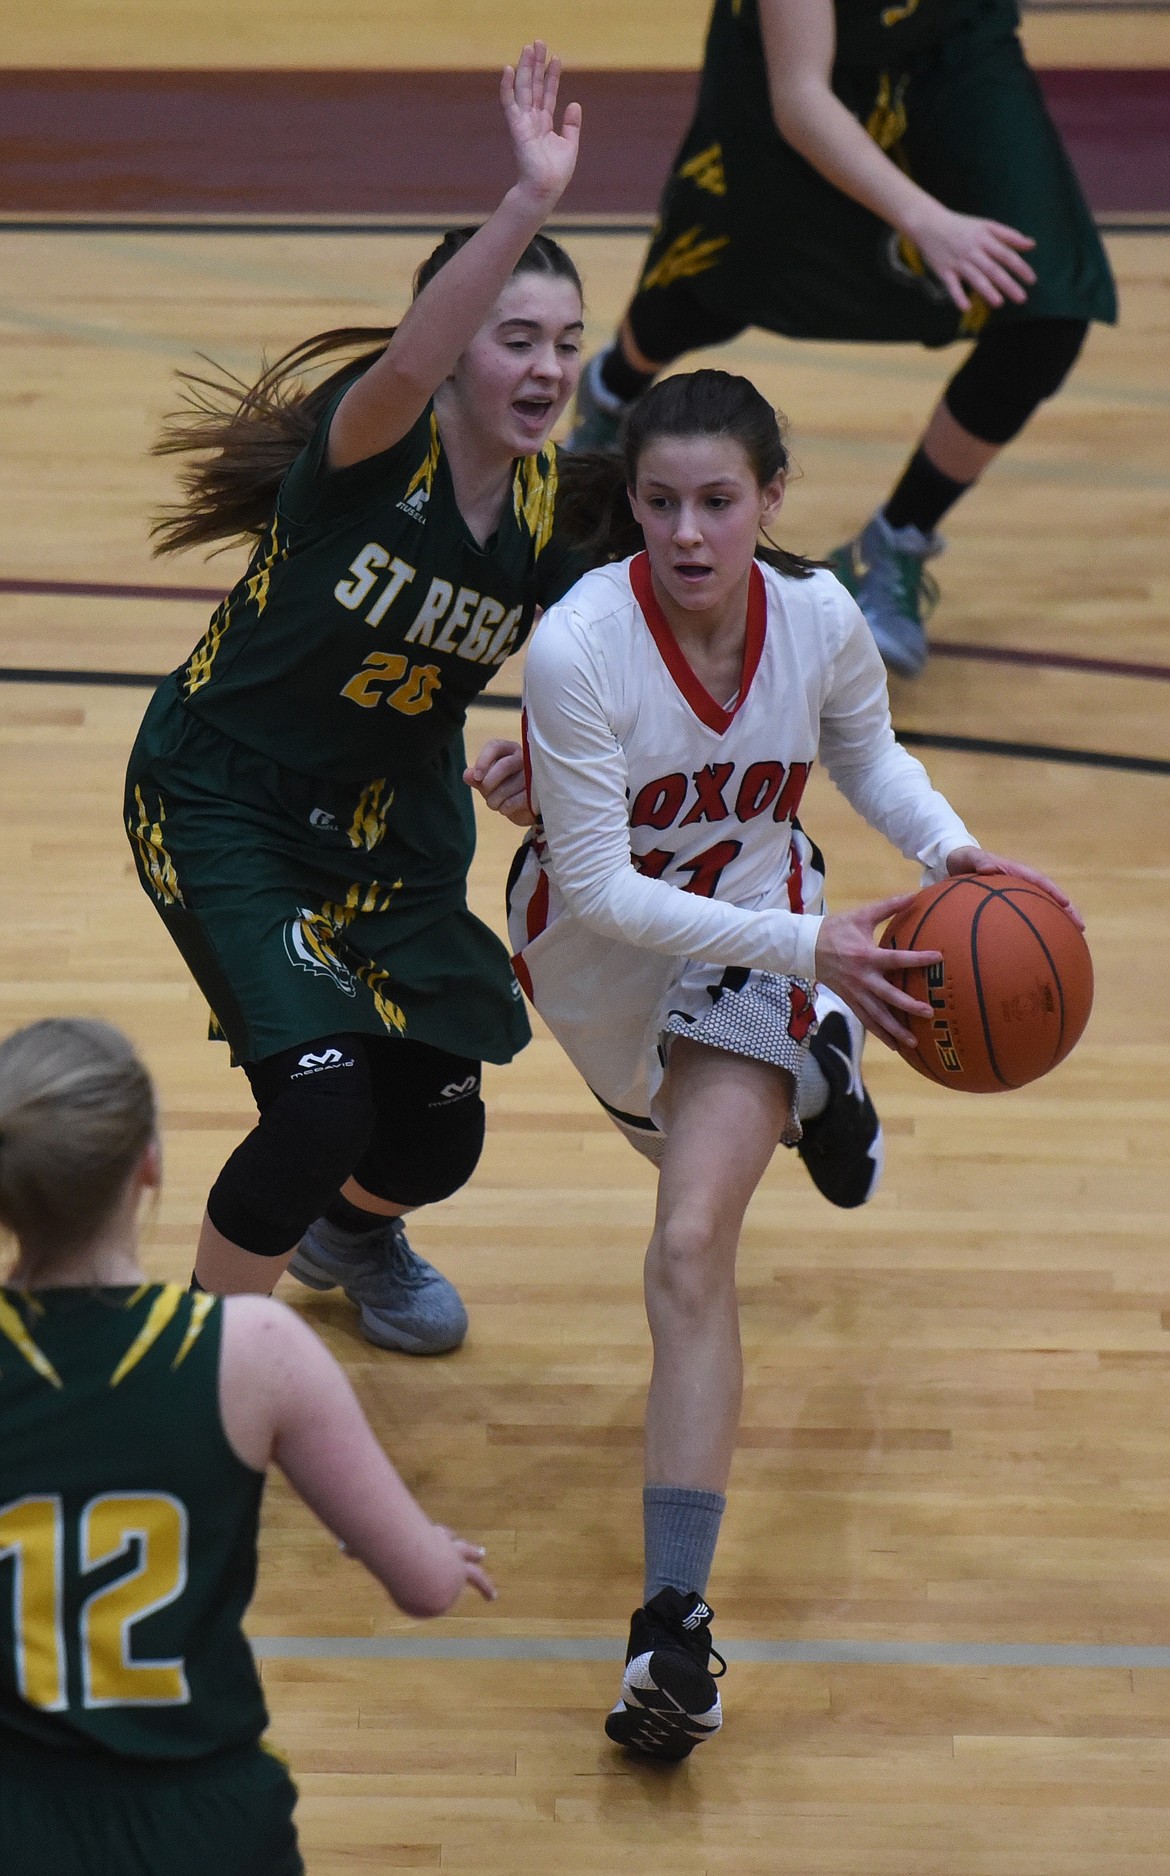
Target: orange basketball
1013,992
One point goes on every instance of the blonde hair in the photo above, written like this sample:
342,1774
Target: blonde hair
77,1112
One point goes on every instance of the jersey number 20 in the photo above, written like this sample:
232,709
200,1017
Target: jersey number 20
149,1530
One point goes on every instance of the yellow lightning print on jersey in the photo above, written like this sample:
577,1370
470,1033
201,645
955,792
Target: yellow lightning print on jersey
12,1326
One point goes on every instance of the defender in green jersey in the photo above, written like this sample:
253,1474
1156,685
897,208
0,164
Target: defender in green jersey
135,1428
297,799
861,170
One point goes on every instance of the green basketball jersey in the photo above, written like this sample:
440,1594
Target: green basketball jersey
127,1527
370,618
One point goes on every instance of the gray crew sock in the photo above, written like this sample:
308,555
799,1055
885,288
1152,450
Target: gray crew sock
682,1529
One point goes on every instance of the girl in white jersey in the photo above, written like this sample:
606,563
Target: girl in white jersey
667,921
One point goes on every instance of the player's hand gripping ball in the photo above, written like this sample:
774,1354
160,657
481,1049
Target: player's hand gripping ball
1014,989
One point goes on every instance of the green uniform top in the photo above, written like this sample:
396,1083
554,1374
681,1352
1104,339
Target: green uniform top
885,35
369,618
127,1527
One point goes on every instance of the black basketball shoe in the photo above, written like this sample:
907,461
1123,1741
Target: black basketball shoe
669,1702
843,1147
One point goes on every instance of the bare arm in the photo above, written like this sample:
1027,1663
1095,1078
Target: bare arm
284,1399
965,251
387,399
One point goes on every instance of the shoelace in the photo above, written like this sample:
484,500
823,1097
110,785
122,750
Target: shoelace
405,1262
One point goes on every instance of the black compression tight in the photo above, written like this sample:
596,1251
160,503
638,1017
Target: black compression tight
1009,371
405,1120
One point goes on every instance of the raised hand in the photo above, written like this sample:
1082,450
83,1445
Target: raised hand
849,962
545,157
966,252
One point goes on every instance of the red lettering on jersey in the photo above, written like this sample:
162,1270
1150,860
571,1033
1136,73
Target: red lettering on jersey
706,868
793,789
710,782
658,803
653,864
802,1012
758,789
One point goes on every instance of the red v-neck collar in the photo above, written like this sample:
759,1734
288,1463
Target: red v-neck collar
698,697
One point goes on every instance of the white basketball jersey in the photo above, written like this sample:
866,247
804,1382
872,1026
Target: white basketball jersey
670,832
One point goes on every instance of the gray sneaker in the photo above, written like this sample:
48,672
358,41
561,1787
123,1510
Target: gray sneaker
404,1302
884,569
597,417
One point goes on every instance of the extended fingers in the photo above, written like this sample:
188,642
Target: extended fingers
531,61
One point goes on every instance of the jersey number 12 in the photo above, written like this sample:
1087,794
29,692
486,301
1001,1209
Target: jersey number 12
148,1530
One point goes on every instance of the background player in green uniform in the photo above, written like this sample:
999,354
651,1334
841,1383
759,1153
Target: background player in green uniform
296,798
138,1420
873,169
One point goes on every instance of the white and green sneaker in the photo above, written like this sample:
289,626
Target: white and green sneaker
884,568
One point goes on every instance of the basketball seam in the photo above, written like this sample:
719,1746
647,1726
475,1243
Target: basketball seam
1051,965
991,893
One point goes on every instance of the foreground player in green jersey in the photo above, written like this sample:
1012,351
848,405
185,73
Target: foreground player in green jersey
297,799
873,170
136,1423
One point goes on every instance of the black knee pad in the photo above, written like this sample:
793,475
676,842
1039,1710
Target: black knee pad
316,1117
1009,371
429,1123
668,321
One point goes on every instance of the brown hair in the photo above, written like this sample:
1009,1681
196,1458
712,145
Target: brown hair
77,1112
246,436
592,503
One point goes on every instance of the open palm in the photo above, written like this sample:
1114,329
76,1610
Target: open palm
545,157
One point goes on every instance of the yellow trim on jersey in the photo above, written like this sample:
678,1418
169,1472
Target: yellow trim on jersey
424,475
202,1305
257,584
534,496
374,978
12,1326
686,256
160,1313
198,670
705,170
369,820
886,123
155,863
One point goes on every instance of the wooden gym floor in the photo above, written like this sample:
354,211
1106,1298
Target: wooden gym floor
944,1576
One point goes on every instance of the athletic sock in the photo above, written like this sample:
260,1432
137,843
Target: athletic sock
352,1218
681,1526
923,495
812,1089
621,379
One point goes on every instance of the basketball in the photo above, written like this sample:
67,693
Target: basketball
1013,992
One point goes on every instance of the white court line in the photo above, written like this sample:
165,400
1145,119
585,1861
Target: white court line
774,1653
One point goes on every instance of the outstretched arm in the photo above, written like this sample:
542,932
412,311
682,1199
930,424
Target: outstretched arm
284,1399
387,399
968,254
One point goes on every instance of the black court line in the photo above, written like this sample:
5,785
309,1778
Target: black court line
504,700
942,648
1142,224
